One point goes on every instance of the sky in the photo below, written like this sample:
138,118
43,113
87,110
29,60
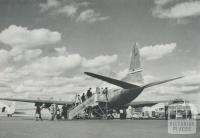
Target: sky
46,45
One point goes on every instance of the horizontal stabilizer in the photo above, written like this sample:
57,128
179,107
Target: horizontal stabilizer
160,82
116,82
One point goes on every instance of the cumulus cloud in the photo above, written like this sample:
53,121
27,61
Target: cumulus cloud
55,81
157,51
78,10
62,74
162,2
63,65
99,61
176,9
56,7
15,56
49,4
4,56
191,79
61,50
21,37
91,16
25,55
121,74
69,10
51,66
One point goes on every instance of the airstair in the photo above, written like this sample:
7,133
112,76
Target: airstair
92,101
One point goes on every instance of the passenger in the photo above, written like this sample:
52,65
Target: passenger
58,117
83,97
101,91
38,113
79,99
105,91
64,111
89,93
76,100
53,111
190,115
96,98
98,90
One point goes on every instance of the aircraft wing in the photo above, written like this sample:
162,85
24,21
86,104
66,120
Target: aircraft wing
37,101
145,103
116,82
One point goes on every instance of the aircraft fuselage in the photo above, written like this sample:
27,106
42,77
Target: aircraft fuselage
121,97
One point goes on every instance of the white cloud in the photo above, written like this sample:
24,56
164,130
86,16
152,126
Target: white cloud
177,10
49,4
25,55
4,59
49,75
100,61
15,55
51,66
191,78
4,56
121,74
61,50
21,37
157,51
69,10
162,2
91,16
56,7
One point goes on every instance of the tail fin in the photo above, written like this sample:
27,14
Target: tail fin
134,75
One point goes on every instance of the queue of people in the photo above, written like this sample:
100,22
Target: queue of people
80,99
58,113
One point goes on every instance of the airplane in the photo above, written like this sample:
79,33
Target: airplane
131,87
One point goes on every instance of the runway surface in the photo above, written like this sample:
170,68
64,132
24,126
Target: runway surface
26,127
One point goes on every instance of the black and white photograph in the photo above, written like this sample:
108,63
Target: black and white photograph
99,68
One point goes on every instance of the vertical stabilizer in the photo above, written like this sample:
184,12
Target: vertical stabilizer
135,71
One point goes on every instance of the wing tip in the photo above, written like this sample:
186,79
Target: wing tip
86,73
179,77
89,73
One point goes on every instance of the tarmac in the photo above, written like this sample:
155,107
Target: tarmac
27,127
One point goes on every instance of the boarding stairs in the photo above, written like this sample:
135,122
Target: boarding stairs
92,101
